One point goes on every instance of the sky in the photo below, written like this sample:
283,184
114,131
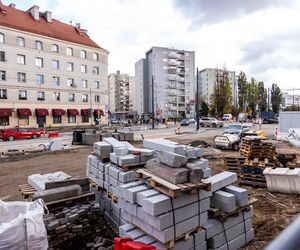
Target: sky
259,37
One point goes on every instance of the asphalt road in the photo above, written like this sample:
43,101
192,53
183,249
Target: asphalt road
66,138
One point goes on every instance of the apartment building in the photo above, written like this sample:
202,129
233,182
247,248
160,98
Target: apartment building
289,100
51,73
170,75
121,92
208,77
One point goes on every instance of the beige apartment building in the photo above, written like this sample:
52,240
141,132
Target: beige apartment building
51,73
121,94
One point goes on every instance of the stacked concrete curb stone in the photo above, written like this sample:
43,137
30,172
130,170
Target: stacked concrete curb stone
184,222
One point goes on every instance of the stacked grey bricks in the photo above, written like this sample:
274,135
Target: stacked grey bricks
91,135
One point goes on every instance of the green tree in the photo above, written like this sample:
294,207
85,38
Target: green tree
242,90
276,97
262,97
252,97
204,109
227,91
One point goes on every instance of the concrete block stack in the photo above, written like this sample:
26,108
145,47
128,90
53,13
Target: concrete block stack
79,227
155,218
90,138
57,186
91,135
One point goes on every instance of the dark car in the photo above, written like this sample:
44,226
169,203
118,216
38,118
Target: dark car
11,134
185,122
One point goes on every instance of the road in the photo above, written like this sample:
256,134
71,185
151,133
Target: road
187,131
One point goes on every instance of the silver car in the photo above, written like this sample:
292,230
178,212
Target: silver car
236,129
210,122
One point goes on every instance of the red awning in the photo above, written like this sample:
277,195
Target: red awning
84,112
5,112
24,112
72,112
41,112
58,112
96,112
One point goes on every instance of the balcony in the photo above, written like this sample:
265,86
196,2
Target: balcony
173,55
172,85
181,86
172,100
172,107
181,108
172,70
172,92
181,100
181,78
173,77
173,62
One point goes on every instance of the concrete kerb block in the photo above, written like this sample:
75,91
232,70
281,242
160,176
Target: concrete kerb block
130,193
240,194
145,194
224,201
221,180
173,160
122,151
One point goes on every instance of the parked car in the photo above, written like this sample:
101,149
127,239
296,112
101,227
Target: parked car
236,129
11,134
227,117
242,117
114,121
192,121
184,122
210,122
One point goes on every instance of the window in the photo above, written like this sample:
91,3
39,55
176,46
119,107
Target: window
2,38
97,84
70,66
38,45
83,54
22,95
96,70
72,118
96,57
39,62
70,82
97,98
83,69
21,77
56,80
40,96
84,83
2,75
21,59
55,64
3,94
2,56
20,41
71,97
69,51
85,119
4,120
24,120
39,79
57,119
54,48
56,96
84,98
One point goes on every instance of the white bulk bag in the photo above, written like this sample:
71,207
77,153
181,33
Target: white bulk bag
22,226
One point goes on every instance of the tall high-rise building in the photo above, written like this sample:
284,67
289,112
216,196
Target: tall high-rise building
208,77
165,83
51,73
121,92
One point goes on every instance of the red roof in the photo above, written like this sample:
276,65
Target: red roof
22,20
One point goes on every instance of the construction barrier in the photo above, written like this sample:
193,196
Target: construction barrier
129,244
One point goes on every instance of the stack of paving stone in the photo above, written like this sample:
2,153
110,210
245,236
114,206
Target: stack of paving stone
79,227
154,218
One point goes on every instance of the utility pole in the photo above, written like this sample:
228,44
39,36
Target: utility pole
153,115
197,100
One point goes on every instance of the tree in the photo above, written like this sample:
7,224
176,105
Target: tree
262,97
252,97
276,97
242,89
227,91
204,109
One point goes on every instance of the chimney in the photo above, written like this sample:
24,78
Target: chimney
35,13
12,5
48,16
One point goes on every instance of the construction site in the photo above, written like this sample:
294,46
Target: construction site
172,193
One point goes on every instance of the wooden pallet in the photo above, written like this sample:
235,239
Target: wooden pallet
219,215
170,244
169,188
234,164
95,186
131,166
252,183
113,197
27,191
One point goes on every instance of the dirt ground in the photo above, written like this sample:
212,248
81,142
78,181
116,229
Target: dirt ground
272,211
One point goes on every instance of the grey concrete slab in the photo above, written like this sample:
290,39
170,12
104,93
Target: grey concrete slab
130,193
195,173
157,204
199,237
250,235
207,173
221,180
173,160
204,205
203,217
241,194
102,149
145,194
212,227
183,244
126,160
114,158
224,201
121,151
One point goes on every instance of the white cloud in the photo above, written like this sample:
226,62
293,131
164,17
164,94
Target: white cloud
260,39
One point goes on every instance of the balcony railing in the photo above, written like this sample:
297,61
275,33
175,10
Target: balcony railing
171,92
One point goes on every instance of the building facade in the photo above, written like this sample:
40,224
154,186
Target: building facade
52,73
207,79
165,83
121,92
289,100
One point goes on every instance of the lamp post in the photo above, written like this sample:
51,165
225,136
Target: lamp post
153,114
197,101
